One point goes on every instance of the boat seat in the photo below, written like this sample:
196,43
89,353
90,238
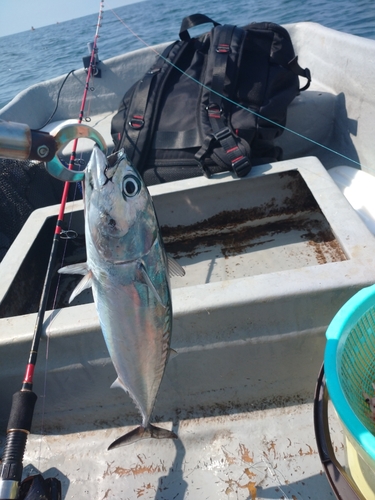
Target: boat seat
311,114
358,187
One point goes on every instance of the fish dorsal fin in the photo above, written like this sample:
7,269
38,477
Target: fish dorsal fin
174,268
145,278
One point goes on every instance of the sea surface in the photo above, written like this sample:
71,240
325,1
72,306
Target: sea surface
32,56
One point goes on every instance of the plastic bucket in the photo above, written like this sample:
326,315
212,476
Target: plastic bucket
349,365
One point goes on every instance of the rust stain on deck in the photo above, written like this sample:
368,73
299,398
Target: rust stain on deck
136,470
250,486
139,469
230,459
106,494
234,232
306,453
245,455
143,489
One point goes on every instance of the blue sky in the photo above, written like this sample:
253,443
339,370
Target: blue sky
20,15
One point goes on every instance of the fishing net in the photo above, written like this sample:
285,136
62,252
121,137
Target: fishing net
24,187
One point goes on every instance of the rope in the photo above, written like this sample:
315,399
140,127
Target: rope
57,100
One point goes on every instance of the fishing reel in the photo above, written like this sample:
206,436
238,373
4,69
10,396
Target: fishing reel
95,70
36,488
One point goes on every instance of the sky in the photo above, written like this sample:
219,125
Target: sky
21,15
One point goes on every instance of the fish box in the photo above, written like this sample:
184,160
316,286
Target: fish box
269,260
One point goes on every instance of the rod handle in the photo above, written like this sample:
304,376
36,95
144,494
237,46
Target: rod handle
19,426
22,411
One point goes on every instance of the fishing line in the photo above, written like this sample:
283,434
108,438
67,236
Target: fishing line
312,141
59,232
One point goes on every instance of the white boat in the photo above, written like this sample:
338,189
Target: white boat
269,260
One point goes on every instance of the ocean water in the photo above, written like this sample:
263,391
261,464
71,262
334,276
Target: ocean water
33,56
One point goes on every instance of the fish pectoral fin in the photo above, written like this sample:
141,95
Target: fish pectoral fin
117,384
80,268
86,282
151,431
145,278
174,268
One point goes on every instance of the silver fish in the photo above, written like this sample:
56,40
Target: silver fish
127,268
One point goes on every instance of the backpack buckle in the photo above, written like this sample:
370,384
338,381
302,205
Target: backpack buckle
214,110
137,122
222,134
241,166
205,169
223,48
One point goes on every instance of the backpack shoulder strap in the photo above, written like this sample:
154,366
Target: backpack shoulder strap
223,57
144,104
130,119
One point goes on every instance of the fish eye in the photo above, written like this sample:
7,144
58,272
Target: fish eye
130,186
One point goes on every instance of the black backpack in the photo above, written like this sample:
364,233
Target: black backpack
190,115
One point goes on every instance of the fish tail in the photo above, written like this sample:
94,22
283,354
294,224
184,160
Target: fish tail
151,431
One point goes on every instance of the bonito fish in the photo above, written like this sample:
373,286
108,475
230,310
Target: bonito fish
127,268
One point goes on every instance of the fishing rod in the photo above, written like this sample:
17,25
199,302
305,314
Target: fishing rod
23,401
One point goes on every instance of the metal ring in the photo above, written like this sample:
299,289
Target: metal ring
63,136
68,234
79,162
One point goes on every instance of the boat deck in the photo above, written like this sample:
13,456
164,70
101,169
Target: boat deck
239,392
233,454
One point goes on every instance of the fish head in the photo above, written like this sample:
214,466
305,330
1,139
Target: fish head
119,213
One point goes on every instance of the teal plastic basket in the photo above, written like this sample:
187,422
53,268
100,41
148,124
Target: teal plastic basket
349,364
